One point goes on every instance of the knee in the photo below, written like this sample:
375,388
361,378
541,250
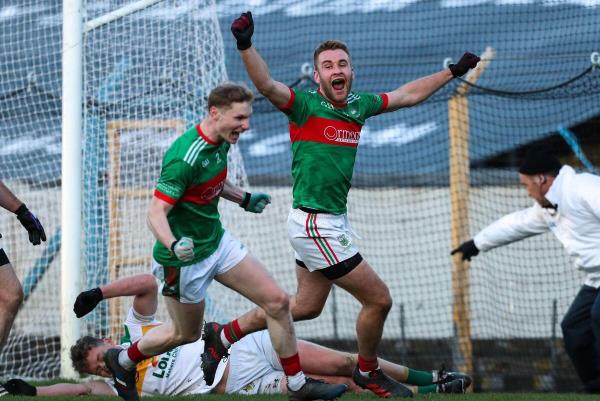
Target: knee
381,304
12,298
307,312
184,337
278,304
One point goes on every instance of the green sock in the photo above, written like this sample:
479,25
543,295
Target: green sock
419,377
432,388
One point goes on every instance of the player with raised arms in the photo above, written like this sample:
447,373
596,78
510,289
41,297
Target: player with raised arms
325,126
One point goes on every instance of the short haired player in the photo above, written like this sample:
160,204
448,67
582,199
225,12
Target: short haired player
325,126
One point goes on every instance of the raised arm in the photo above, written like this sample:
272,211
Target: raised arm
254,202
277,92
420,89
142,286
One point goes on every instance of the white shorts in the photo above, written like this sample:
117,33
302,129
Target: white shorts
320,240
188,284
254,367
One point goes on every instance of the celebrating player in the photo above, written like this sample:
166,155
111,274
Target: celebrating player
325,126
252,366
192,248
568,204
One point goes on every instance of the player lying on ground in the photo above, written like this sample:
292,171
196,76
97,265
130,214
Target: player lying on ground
252,367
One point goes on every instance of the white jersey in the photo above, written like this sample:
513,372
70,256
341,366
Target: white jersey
176,372
575,221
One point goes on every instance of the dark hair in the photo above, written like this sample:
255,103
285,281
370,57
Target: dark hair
330,45
540,161
227,93
80,351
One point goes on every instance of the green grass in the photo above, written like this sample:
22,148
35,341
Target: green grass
356,397
349,397
346,397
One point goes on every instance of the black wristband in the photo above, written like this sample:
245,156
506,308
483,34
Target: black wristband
22,209
246,200
98,291
243,45
173,245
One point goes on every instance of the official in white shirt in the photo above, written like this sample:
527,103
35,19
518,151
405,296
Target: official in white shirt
568,204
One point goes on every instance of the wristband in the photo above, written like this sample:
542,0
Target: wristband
246,200
22,209
173,245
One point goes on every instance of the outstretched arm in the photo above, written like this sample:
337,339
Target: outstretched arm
20,387
93,387
277,92
254,202
142,286
420,89
10,202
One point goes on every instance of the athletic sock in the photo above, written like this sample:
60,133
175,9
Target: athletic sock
419,377
293,371
131,356
430,389
231,333
367,365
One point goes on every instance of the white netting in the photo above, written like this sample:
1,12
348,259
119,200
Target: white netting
147,77
30,166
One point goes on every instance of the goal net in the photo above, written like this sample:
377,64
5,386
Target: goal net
146,77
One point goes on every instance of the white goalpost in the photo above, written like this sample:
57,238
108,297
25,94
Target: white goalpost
93,94
72,96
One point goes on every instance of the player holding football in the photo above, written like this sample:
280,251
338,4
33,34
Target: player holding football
325,127
252,367
192,248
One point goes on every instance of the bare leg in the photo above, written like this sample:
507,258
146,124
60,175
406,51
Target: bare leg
251,279
185,327
11,298
366,286
318,360
311,295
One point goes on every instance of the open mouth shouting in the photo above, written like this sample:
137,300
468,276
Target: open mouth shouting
338,84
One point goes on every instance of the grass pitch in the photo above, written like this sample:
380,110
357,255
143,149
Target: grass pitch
352,397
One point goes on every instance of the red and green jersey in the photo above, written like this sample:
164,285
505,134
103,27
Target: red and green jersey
325,139
192,177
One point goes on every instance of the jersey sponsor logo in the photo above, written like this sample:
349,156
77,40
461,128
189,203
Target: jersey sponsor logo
205,192
341,135
165,364
327,130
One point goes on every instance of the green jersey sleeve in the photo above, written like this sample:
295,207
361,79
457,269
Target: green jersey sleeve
373,104
175,177
297,108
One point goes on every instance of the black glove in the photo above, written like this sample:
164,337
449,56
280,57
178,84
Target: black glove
19,387
466,62
468,250
86,301
243,28
31,224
